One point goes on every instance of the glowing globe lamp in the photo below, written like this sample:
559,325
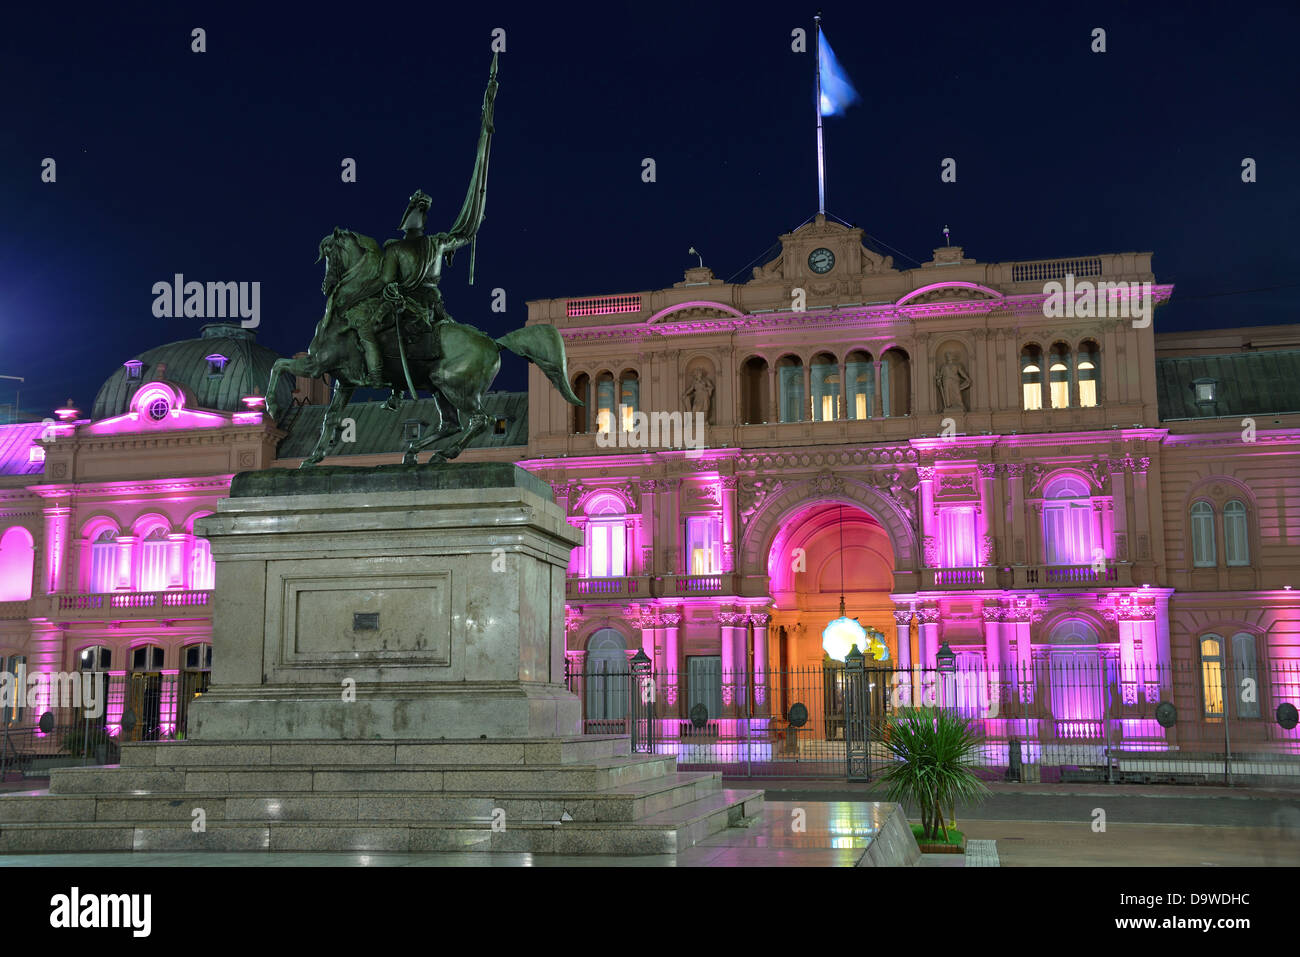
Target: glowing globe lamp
842,635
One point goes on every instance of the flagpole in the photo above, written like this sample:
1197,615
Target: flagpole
821,163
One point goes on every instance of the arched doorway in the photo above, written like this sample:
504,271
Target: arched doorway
607,676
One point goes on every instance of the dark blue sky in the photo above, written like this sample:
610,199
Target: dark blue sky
225,165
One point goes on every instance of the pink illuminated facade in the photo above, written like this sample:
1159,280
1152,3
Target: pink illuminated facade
1039,495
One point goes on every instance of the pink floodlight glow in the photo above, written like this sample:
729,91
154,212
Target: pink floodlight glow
254,401
246,418
68,413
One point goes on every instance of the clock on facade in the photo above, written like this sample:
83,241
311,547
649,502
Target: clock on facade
821,260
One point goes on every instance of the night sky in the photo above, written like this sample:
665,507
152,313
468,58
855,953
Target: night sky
225,165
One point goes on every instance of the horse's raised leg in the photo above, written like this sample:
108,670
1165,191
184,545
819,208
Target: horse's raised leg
303,366
331,428
468,401
448,424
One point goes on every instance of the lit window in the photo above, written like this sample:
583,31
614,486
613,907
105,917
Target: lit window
13,709
499,427
1087,371
158,409
859,372
103,562
957,527
629,399
133,368
605,403
216,364
153,561
202,568
826,388
1245,676
1205,390
606,539
1204,554
1236,543
1067,523
1031,378
703,545
1212,676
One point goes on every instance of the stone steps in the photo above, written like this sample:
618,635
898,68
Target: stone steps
665,832
628,802
597,775
244,754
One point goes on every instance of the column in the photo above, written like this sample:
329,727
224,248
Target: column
758,623
902,689
728,483
734,678
925,520
1098,539
647,489
877,406
807,414
929,636
986,524
45,654
1141,508
1016,490
56,547
773,395
672,663
843,411
1119,505
123,580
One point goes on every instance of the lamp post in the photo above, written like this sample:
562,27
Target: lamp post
946,660
856,753
643,697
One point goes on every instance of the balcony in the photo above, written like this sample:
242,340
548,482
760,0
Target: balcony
607,587
958,578
131,605
684,586
1073,576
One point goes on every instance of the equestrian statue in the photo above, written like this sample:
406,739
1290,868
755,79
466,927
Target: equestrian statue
385,325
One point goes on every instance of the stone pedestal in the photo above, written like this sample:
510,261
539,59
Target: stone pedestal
399,602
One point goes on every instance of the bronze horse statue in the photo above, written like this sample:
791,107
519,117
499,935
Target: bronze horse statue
456,362
385,325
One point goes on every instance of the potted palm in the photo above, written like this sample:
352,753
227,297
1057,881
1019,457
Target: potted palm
934,769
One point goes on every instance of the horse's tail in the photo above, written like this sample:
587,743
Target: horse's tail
543,345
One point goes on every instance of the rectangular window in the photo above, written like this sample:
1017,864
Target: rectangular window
1067,534
703,545
957,550
861,388
605,405
14,709
1235,543
826,392
1033,396
202,570
103,565
153,564
791,385
1245,676
704,684
606,548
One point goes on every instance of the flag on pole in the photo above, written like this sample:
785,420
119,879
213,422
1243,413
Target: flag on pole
837,93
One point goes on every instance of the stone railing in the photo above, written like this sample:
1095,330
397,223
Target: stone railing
958,578
1073,575
130,604
606,586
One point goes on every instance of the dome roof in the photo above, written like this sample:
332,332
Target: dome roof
247,368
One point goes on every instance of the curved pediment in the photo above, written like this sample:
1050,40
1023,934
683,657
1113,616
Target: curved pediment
694,311
949,292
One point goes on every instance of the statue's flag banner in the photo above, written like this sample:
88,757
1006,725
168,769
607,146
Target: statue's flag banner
837,91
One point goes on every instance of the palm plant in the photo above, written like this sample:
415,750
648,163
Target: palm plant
935,748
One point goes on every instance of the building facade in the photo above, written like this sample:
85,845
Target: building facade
1029,483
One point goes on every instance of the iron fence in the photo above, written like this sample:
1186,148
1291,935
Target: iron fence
1064,717
124,708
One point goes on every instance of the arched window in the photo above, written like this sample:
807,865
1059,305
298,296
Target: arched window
789,373
582,413
1067,522
629,398
606,538
203,571
153,561
608,676
103,562
1089,374
144,697
1202,532
1031,377
605,396
755,402
1058,375
860,373
1245,675
825,388
1077,679
896,383
1212,676
17,562
1236,541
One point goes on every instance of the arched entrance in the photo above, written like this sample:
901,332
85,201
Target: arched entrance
823,550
